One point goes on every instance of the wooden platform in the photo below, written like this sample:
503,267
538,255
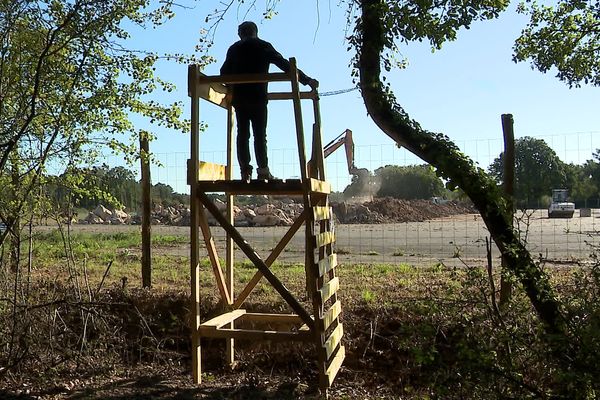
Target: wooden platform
320,327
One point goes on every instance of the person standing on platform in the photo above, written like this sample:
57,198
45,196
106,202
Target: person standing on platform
251,55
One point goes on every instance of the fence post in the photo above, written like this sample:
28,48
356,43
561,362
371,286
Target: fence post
146,229
509,180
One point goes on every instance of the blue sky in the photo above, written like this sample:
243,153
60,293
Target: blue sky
460,90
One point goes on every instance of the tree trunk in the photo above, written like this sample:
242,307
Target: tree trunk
437,150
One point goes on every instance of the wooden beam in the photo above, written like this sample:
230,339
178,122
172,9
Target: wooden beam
272,257
256,335
215,93
223,319
319,186
258,262
272,187
195,206
208,171
274,318
298,119
229,248
211,249
244,78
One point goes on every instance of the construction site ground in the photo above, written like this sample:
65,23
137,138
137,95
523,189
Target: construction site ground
414,232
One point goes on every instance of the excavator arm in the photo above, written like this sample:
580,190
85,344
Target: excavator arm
345,139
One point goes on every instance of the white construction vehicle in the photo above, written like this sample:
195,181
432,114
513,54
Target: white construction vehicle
561,207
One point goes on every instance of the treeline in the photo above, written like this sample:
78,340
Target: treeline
111,186
402,182
538,170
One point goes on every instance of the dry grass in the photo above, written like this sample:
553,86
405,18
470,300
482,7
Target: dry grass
410,332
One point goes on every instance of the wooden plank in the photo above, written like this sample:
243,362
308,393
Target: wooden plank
331,315
214,93
298,120
318,155
229,245
274,318
327,264
256,260
325,238
223,319
208,171
333,341
195,210
249,334
319,186
321,212
244,78
335,365
273,187
215,263
329,289
271,259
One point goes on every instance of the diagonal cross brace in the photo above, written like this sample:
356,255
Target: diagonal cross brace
271,259
256,260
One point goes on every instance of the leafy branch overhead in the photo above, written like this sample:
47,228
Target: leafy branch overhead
564,37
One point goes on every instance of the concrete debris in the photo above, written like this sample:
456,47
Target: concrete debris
283,212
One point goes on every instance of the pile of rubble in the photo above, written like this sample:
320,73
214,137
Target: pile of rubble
390,210
285,212
102,215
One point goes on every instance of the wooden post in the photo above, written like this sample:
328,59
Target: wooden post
509,180
230,345
146,205
195,209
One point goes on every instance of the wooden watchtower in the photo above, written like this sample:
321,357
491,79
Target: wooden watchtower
322,327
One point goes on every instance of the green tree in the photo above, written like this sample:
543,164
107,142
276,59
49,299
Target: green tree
582,188
564,36
70,85
537,171
410,182
378,27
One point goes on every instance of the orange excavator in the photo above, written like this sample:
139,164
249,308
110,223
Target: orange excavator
361,178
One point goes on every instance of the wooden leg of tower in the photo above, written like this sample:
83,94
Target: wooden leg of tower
196,347
230,346
195,294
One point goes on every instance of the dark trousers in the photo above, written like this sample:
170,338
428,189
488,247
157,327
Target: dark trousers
255,114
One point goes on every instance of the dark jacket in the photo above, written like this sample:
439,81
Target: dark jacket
253,56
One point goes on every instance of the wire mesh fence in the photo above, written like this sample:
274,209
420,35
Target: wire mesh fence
451,240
